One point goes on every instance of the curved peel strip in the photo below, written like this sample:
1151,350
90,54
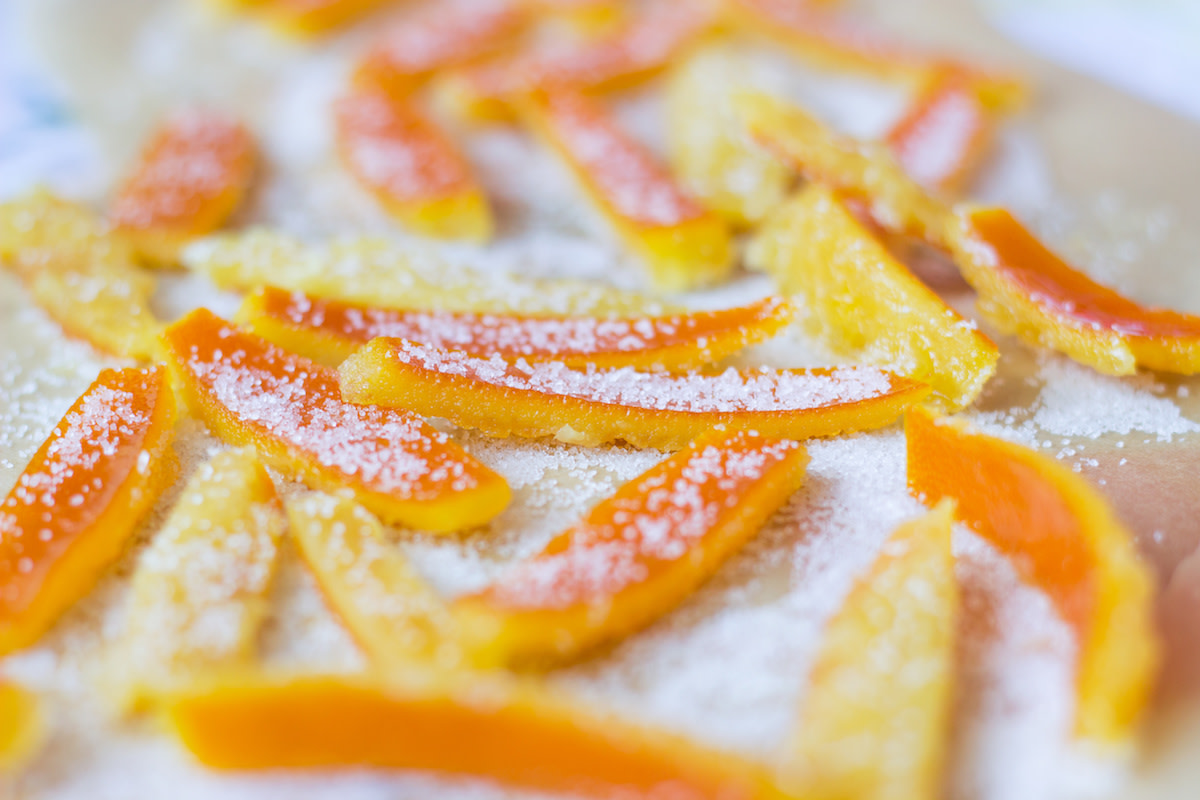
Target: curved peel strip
876,717
21,726
329,332
1063,537
199,593
636,555
1027,290
190,178
411,167
645,409
685,245
861,301
248,391
99,472
306,18
482,725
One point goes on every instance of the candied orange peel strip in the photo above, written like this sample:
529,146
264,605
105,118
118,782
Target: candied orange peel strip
1027,290
307,18
81,498
82,276
636,555
684,244
21,726
199,593
248,391
328,332
585,15
411,167
1062,537
190,178
491,726
645,409
875,722
861,301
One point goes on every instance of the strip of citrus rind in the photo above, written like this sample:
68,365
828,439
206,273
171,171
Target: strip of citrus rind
1025,289
875,722
381,273
1063,537
251,392
594,16
861,301
189,179
645,409
384,603
306,18
21,726
490,726
328,332
82,276
101,470
636,555
199,593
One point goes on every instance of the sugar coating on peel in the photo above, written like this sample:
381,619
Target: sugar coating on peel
649,409
199,593
1062,536
252,392
21,726
492,726
876,719
862,301
329,331
637,554
81,497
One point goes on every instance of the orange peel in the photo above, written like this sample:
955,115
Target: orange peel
1062,537
21,726
248,391
82,496
308,18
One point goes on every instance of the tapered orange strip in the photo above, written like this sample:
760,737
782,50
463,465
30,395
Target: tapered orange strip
248,391
438,36
861,301
875,722
942,137
190,178
645,409
21,726
636,555
1026,289
413,169
328,331
684,244
81,497
1063,537
314,17
831,41
489,726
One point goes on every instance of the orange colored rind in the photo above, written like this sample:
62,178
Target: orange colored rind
21,726
248,391
308,18
99,473
1063,538
862,302
645,409
411,167
685,245
636,555
487,726
329,332
1027,290
875,722
584,15
190,178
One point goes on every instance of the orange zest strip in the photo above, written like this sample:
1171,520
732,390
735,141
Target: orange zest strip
329,331
411,167
645,409
489,726
1026,289
1063,537
942,137
876,717
636,555
21,726
585,15
684,244
306,18
81,497
190,178
248,391
861,301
